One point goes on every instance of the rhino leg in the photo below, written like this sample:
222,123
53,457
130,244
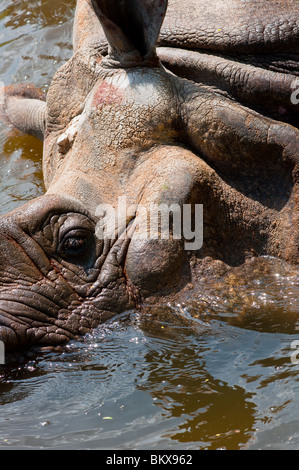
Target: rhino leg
257,155
235,27
23,106
251,84
229,134
246,50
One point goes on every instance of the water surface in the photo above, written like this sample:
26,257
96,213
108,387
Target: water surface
213,373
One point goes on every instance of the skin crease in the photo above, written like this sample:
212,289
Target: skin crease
166,125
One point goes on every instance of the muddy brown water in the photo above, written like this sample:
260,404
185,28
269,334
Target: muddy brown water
219,372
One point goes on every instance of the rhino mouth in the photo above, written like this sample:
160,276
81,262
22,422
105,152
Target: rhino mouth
22,325
18,332
29,317
57,279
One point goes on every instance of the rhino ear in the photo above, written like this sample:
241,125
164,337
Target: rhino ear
131,27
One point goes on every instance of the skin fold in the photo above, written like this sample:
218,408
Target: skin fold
177,103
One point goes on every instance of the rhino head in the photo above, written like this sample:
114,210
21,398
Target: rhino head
119,127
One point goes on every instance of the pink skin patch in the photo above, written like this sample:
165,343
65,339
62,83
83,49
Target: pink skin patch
106,94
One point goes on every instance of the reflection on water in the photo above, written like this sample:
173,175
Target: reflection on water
35,39
178,377
211,372
20,170
155,380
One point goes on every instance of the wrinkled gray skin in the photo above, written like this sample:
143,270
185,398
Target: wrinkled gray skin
206,118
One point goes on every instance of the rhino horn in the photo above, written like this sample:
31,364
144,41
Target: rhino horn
131,28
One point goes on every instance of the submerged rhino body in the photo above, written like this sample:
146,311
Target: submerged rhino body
192,110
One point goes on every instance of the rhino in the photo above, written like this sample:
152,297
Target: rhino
182,105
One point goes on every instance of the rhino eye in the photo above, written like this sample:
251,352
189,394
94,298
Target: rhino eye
75,243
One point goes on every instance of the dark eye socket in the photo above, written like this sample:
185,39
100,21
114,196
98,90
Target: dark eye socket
75,243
